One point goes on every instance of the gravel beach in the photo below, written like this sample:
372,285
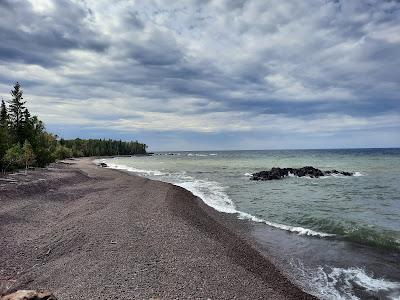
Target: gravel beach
86,232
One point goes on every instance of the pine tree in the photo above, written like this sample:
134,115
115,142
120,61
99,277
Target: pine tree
26,116
17,111
27,125
4,134
3,115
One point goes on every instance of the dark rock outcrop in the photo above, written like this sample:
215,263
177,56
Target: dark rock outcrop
279,173
103,165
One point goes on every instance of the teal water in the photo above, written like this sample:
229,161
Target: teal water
359,216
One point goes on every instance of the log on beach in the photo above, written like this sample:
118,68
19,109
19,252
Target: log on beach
85,232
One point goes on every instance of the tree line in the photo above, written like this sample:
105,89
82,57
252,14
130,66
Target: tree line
98,147
24,142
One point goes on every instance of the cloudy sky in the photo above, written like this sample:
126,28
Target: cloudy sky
197,75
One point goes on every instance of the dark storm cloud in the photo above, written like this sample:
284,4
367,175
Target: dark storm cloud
33,38
206,64
157,50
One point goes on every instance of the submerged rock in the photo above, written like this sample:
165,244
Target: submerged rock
29,295
279,173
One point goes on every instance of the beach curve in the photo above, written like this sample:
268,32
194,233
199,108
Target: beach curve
89,232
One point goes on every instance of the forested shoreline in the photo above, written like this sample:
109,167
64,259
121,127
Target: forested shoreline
24,142
98,147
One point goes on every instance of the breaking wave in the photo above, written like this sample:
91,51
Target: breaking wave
213,194
345,283
134,170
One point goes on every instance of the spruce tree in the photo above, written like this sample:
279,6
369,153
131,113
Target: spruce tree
26,115
4,134
3,115
27,125
16,109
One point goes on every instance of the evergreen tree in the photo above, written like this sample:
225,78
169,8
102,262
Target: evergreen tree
4,134
17,109
27,126
3,115
26,116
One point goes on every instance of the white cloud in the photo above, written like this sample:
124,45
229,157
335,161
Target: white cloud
42,6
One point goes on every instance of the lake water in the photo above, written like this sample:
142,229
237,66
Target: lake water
336,236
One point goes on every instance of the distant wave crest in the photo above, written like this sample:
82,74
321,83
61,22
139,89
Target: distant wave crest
202,154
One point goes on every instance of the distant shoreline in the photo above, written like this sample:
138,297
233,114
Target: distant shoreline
291,149
87,232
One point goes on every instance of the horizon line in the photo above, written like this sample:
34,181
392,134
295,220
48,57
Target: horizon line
282,149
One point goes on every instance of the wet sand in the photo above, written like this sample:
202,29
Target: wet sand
86,232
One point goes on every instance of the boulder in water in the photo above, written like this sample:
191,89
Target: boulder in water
279,173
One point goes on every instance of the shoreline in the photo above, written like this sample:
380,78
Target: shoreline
154,239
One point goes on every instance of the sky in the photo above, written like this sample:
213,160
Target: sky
208,75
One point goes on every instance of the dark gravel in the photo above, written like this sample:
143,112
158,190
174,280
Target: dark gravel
87,232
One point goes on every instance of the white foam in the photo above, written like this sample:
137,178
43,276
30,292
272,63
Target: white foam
339,283
355,174
339,176
248,174
211,193
134,170
200,154
358,174
213,154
